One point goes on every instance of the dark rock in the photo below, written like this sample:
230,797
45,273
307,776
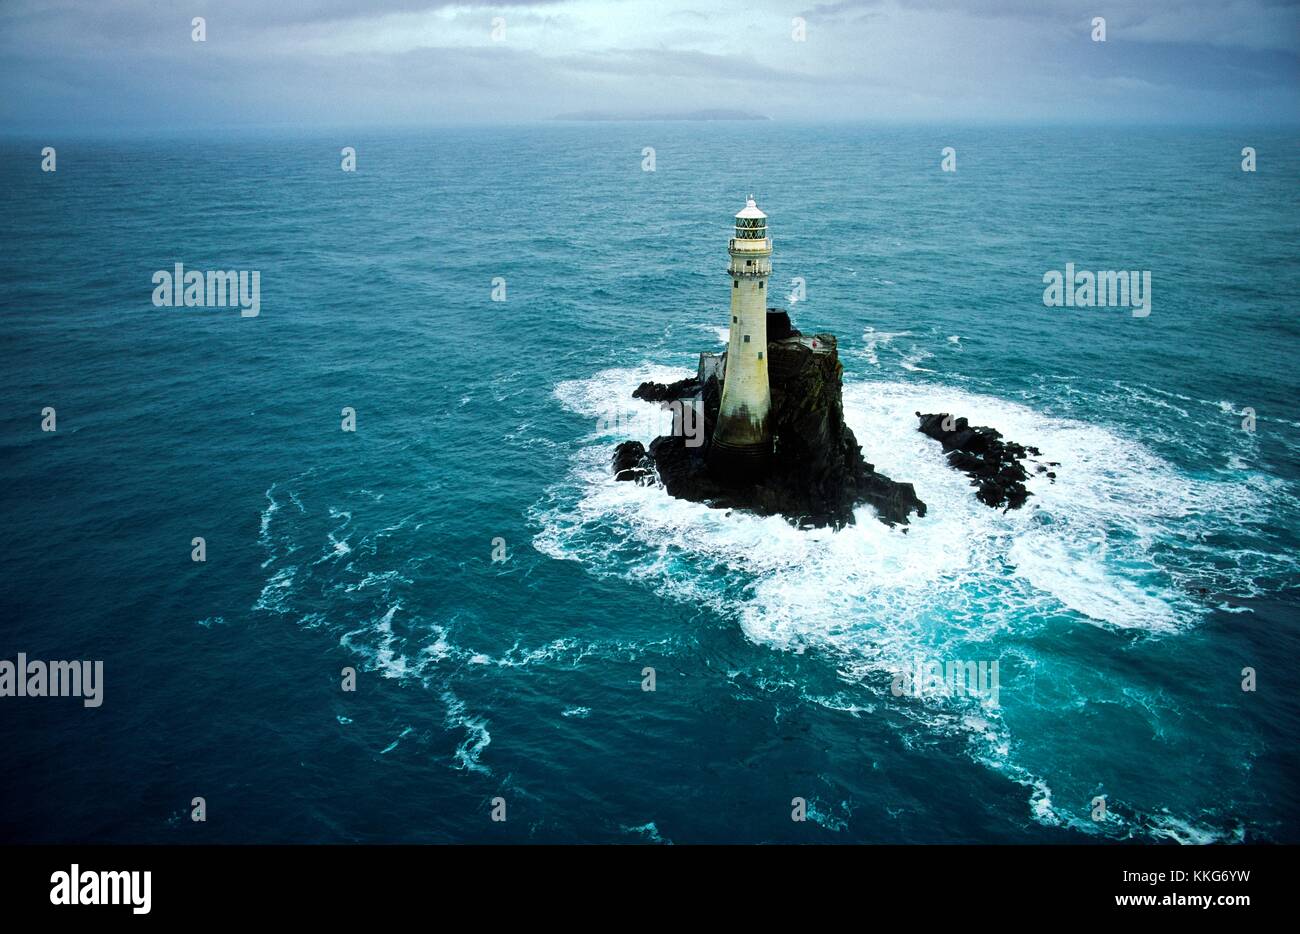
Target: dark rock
993,465
658,392
817,474
629,461
779,327
971,463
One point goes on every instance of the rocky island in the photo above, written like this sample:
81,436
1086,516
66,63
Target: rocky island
815,474
994,465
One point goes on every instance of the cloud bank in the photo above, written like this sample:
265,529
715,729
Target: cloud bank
133,64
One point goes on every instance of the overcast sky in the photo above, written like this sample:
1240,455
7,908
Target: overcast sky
100,64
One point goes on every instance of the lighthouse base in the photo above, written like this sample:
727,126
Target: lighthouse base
739,463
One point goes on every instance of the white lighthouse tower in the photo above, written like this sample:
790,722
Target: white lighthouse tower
742,440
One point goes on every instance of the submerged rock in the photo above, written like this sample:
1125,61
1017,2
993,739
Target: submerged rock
817,474
992,464
629,461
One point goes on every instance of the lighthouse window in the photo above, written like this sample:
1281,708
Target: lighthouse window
734,319
760,283
735,283
746,338
749,262
760,355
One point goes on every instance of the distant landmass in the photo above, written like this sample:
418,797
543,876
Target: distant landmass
607,115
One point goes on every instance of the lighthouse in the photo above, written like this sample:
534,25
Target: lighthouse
742,440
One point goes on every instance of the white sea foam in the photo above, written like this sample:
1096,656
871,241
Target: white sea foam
269,512
822,815
649,831
376,642
401,736
1079,553
1180,830
1081,581
911,361
803,582
277,592
377,579
477,736
879,339
338,548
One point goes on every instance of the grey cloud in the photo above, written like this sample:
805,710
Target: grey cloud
133,64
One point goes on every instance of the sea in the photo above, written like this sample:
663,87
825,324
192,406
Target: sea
451,625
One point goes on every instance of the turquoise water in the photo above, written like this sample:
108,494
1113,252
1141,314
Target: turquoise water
1121,604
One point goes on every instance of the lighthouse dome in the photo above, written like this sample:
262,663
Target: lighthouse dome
751,226
750,210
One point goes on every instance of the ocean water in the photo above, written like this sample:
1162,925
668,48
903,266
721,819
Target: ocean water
1121,604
